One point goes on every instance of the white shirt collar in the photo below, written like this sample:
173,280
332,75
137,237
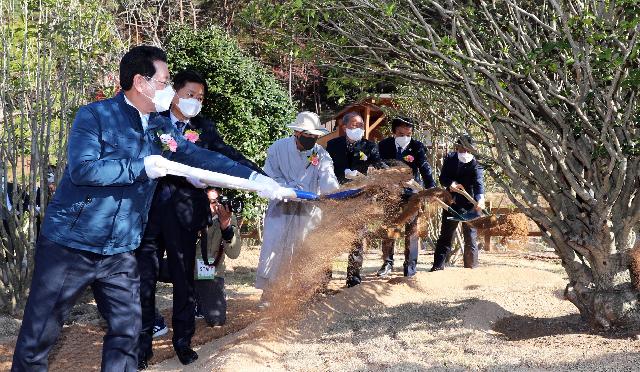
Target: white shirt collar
144,118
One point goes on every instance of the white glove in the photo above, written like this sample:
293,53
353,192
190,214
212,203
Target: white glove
263,180
196,182
270,188
153,165
278,193
352,174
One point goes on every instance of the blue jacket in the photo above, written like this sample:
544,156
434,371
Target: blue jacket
469,175
419,165
102,200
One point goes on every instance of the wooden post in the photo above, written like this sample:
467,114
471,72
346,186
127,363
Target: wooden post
487,242
487,235
367,119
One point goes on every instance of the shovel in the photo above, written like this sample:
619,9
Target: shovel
448,208
230,182
339,195
471,199
484,221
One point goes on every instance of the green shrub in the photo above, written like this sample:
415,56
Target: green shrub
250,108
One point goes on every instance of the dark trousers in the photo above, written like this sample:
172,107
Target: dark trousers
212,300
443,245
165,233
356,257
60,276
410,248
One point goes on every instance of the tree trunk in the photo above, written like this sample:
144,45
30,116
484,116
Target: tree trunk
599,285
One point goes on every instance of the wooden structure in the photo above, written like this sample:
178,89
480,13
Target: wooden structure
372,114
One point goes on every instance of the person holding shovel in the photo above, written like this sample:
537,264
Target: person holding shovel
352,156
295,162
460,172
412,152
179,210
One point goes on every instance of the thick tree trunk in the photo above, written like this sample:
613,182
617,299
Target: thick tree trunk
604,308
600,285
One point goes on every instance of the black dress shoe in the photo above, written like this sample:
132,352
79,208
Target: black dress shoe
143,360
436,268
143,364
385,270
186,355
353,281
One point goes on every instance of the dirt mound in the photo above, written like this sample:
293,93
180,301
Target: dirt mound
343,221
507,315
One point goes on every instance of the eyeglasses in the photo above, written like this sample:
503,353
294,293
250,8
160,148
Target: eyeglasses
167,83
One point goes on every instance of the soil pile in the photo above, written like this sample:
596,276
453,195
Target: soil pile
343,222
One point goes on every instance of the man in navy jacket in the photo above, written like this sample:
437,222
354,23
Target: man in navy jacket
180,209
99,211
460,171
352,155
412,152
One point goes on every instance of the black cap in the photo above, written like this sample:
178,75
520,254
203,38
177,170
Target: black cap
401,121
465,140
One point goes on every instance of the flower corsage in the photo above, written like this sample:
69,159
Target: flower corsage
362,156
192,136
168,142
313,159
408,158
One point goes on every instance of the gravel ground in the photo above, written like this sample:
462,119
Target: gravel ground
508,314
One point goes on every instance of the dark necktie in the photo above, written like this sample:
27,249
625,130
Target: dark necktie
181,126
399,153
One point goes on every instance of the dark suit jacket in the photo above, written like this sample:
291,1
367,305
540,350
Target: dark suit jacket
343,159
420,166
469,175
190,203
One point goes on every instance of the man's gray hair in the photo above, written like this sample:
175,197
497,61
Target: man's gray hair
350,115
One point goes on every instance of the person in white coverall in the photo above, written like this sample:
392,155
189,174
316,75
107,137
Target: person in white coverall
296,162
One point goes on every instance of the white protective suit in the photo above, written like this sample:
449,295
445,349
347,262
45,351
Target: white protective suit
287,223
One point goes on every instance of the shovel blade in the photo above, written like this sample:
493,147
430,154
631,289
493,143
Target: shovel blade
306,195
465,217
344,194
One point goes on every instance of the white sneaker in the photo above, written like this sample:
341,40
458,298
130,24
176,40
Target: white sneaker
160,328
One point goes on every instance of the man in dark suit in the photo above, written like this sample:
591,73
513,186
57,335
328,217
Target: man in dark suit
352,155
460,171
412,152
180,209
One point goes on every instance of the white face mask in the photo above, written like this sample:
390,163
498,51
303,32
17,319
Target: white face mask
162,98
355,134
189,107
465,157
403,141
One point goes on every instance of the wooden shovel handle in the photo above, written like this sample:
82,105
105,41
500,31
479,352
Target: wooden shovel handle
470,198
466,195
